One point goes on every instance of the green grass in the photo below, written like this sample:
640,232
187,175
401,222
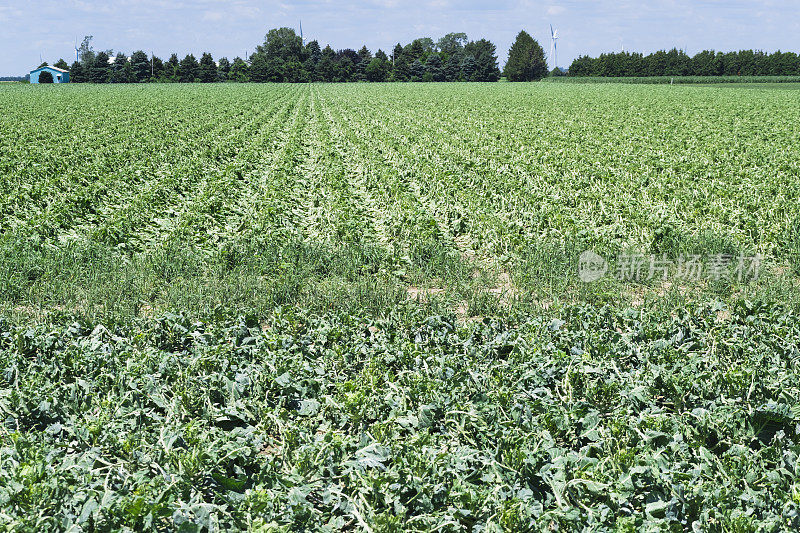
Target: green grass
279,307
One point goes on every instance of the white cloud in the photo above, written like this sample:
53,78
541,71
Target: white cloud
213,16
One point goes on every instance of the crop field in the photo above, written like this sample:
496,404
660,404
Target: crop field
681,80
358,307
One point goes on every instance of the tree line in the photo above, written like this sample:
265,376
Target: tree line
284,57
677,63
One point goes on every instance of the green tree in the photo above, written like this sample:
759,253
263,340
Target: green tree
485,54
141,66
224,67
313,54
452,44
61,64
452,68
86,53
239,70
379,68
127,72
401,67
415,50
275,68
283,44
99,72
487,69
326,68
45,77
526,61
188,69
207,71
435,68
258,71
364,58
417,70
172,68
293,72
468,68
118,74
77,74
157,69
344,69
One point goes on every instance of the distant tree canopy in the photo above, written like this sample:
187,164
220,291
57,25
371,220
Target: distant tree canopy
677,63
526,60
284,57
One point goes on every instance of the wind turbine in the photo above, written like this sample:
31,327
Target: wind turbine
301,33
76,50
554,46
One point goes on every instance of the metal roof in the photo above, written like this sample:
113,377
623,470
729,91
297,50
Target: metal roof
52,68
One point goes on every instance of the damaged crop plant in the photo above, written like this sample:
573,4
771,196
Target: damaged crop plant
357,307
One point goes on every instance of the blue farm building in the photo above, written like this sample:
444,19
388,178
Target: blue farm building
59,75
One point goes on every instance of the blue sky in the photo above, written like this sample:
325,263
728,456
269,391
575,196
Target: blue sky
49,27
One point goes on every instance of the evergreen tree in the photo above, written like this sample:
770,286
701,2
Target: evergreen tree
127,72
468,68
313,53
258,71
118,73
61,64
141,66
379,68
157,69
99,70
417,70
401,68
207,71
45,77
172,68
239,70
414,51
223,69
326,68
435,68
188,69
483,52
487,69
452,69
526,60
344,70
364,58
77,74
